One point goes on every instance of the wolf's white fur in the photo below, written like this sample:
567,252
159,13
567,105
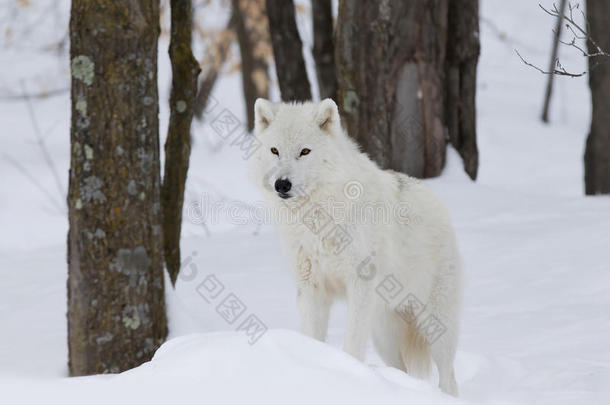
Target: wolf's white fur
417,248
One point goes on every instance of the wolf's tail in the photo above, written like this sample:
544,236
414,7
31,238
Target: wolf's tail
416,354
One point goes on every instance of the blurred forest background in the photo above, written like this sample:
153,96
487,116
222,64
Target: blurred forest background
403,73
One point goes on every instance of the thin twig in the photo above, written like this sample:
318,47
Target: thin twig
559,72
578,33
35,182
41,144
43,94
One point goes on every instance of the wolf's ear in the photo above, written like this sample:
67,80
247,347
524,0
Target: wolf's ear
327,116
264,113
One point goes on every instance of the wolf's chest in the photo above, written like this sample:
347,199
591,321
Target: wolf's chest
314,255
327,244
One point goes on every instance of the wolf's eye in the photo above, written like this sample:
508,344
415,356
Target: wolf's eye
305,152
275,152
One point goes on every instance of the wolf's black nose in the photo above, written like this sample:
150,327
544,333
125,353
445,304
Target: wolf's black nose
282,186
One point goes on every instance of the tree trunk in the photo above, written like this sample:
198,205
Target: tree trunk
463,48
323,48
252,35
116,308
553,62
390,62
597,152
185,70
287,51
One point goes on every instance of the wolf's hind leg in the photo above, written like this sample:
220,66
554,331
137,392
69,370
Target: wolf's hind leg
389,332
441,328
441,331
443,353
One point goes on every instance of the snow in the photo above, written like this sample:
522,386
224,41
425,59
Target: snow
283,367
536,318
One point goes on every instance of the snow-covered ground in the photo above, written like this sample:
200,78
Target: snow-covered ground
536,319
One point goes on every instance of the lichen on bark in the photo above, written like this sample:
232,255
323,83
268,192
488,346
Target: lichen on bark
116,307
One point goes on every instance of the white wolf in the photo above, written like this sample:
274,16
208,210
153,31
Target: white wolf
377,238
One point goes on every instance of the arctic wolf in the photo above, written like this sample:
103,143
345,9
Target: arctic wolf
377,238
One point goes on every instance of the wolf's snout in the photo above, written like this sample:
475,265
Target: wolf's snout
283,186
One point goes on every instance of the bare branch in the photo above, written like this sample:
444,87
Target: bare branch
42,94
60,208
41,144
579,32
560,72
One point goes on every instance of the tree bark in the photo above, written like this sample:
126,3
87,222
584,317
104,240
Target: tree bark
597,152
390,61
324,48
463,50
287,51
252,35
116,307
185,70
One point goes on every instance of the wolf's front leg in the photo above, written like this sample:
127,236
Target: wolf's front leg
314,308
359,316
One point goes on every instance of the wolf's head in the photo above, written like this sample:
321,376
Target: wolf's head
298,149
